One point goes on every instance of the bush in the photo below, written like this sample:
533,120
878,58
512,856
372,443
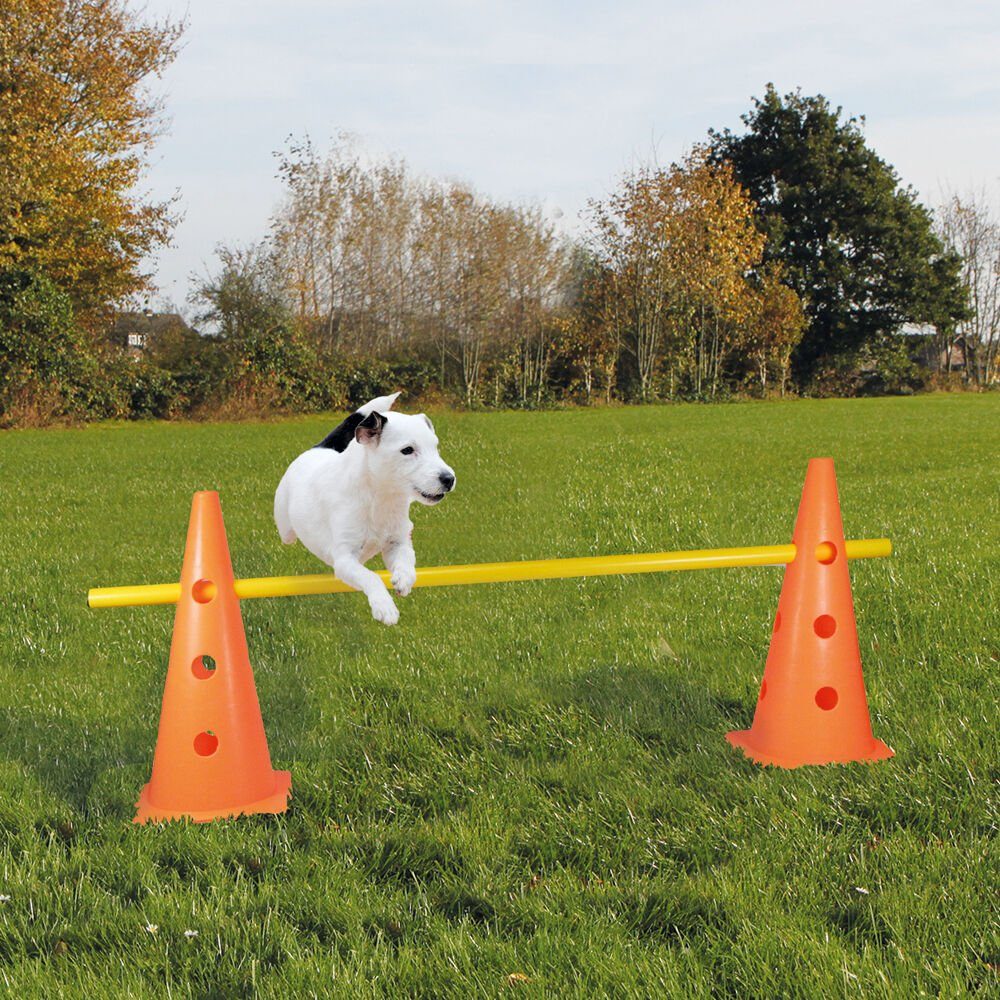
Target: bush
152,392
947,382
891,369
883,368
29,403
366,378
41,349
284,371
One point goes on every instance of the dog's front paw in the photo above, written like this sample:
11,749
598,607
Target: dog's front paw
384,609
403,580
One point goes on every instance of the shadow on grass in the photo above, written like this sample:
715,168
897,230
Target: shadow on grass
88,765
654,706
67,759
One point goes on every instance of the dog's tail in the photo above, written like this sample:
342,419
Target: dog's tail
281,518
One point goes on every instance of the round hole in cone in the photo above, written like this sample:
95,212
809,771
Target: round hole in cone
203,591
203,667
827,698
825,626
206,743
826,552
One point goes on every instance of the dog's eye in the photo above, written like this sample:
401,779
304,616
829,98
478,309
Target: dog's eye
408,450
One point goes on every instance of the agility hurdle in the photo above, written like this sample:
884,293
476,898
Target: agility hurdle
212,760
502,572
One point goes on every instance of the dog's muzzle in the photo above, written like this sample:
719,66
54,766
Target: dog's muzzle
447,481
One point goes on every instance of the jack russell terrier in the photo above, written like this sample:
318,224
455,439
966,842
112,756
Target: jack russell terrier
348,498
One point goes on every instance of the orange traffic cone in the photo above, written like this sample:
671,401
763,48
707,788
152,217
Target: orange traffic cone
812,707
211,755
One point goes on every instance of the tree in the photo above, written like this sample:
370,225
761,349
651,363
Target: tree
774,326
721,247
677,245
379,263
969,228
266,361
245,300
588,347
856,246
41,348
75,124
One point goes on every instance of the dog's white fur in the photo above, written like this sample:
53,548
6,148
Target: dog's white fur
346,506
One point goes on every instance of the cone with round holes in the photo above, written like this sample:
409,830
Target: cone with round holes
812,707
211,757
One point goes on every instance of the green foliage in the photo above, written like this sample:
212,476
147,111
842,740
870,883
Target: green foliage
888,366
524,778
152,392
197,365
285,367
364,378
41,347
77,120
245,298
854,243
685,301
37,334
894,368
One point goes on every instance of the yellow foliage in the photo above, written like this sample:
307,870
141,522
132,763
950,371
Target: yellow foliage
680,246
75,125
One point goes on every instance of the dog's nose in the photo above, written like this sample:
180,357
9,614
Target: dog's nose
447,479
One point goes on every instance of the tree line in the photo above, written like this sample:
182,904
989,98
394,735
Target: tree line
783,257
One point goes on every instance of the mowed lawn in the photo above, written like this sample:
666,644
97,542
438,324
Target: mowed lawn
521,789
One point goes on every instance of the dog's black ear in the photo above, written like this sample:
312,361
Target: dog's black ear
343,434
370,429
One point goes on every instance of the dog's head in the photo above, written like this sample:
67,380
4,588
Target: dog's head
401,450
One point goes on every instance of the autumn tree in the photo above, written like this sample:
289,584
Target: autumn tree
721,246
588,343
677,245
76,123
772,328
310,234
631,238
378,262
535,273
455,252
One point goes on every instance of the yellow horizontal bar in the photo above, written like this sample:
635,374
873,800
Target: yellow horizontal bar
504,572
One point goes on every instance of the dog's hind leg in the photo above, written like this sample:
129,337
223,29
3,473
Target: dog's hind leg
347,567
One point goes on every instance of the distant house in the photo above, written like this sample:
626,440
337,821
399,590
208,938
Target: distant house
941,354
956,356
136,332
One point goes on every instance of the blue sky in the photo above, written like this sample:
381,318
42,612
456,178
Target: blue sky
549,102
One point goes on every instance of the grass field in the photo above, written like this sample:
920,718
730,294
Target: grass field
523,780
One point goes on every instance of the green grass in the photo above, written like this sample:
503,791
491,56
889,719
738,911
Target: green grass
526,778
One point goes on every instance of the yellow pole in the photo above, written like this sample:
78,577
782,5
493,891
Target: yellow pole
504,572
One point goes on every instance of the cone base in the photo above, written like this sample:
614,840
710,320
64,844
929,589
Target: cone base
743,739
276,802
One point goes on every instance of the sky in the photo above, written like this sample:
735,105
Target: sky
547,102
